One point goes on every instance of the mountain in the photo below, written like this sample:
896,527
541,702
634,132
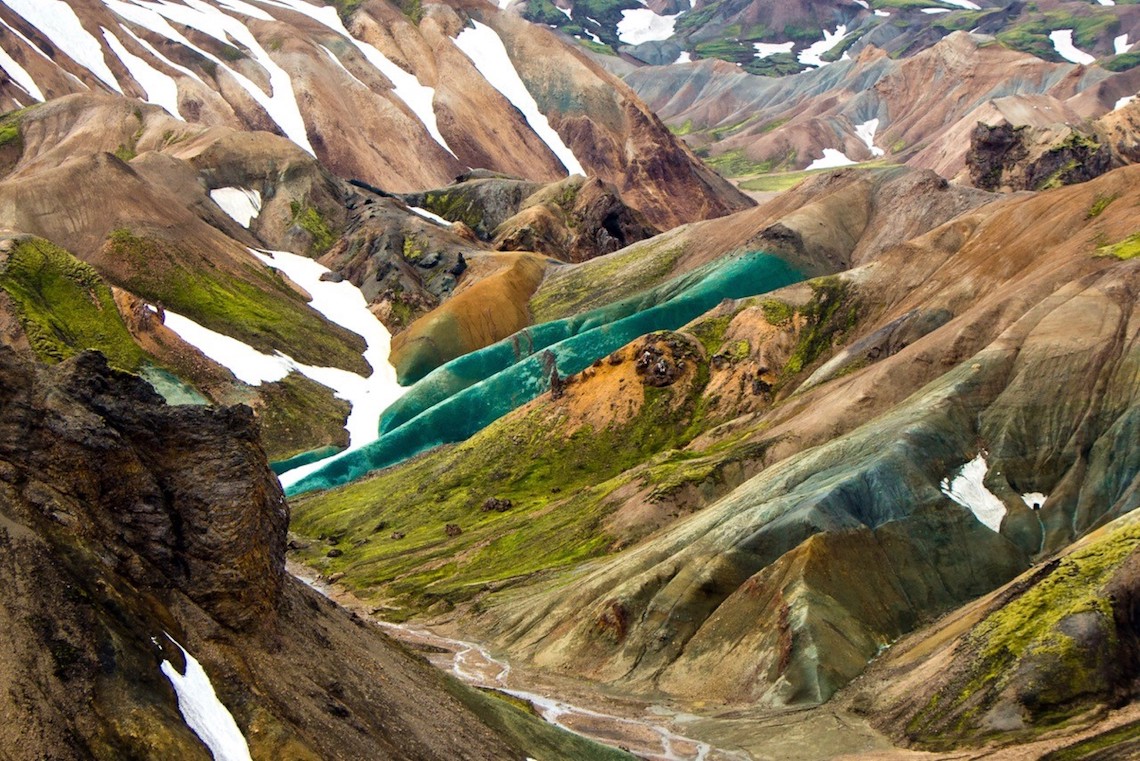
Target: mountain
853,462
775,40
876,108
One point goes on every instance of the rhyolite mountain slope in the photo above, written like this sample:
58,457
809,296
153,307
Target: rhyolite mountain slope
132,530
767,500
778,39
918,110
398,100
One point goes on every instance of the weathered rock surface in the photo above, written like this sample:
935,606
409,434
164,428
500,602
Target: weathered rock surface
126,524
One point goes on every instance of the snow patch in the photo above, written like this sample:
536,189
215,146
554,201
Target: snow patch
1120,44
684,57
831,159
20,75
1123,102
765,49
486,50
935,10
154,52
429,215
810,56
1106,2
964,4
241,204
160,88
866,133
280,103
248,365
342,67
1063,43
564,11
344,304
203,712
969,490
58,22
418,98
643,25
1034,500
864,4
884,14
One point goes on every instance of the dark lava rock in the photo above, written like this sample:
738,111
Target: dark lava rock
332,277
452,529
495,504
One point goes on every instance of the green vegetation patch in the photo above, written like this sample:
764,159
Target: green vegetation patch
64,306
830,314
313,222
604,280
1099,204
1029,627
392,530
269,317
1124,742
298,415
1129,248
1122,62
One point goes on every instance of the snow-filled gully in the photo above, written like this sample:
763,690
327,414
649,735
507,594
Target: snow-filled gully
341,303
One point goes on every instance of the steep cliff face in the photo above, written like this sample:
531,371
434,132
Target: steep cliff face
128,526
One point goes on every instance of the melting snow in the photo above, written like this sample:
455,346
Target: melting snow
154,52
418,98
246,363
1106,2
765,49
342,67
643,25
1063,44
882,13
1123,102
810,56
563,11
1034,498
935,10
831,159
161,89
866,133
684,57
429,215
241,204
341,303
968,490
203,712
344,304
486,50
864,3
1120,44
58,22
19,75
964,4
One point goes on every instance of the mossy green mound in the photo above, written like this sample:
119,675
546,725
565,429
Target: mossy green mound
64,306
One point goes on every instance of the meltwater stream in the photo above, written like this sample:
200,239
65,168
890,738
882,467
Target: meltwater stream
473,664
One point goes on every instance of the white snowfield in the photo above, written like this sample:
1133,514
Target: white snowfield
486,50
160,87
20,76
964,4
1123,102
684,57
429,215
1063,43
969,490
810,56
203,712
1120,44
765,49
866,133
241,204
59,24
643,25
831,160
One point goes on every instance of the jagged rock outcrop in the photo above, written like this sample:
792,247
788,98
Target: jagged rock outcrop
127,526
1003,156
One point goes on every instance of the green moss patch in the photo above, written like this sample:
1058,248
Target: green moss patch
64,306
260,309
1129,248
830,314
313,222
298,415
392,528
